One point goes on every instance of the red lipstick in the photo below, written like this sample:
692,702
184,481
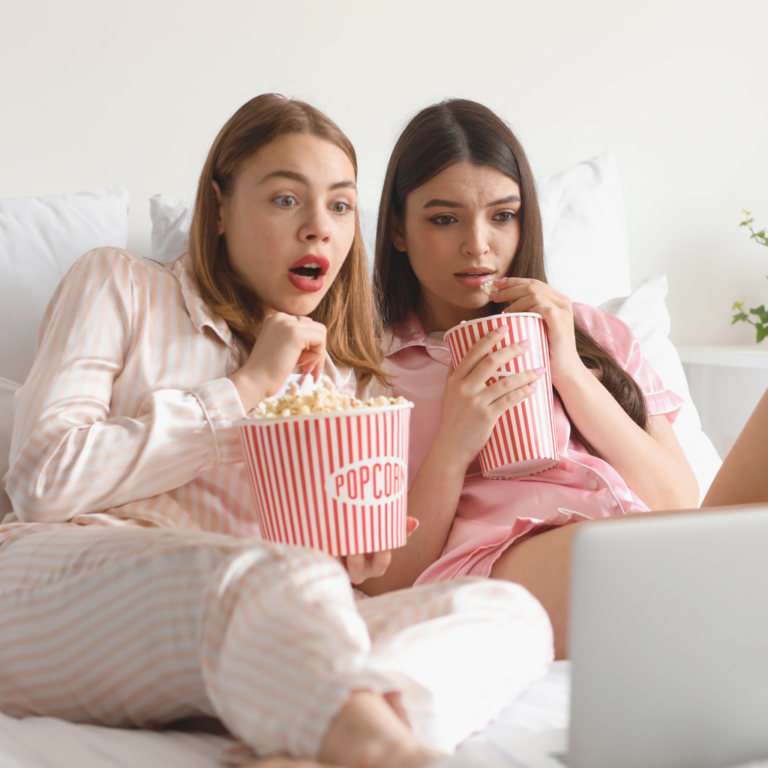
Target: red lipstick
306,274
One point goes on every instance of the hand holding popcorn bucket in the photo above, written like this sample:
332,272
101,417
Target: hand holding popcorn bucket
332,480
523,441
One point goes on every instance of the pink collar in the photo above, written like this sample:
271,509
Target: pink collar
411,334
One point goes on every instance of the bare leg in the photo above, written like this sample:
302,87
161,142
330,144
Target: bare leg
743,478
542,564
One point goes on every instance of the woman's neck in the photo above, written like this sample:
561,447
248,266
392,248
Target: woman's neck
442,318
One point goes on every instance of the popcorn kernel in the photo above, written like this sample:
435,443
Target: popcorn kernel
322,399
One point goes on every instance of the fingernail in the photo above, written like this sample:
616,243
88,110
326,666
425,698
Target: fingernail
524,343
534,384
539,371
493,296
500,281
502,330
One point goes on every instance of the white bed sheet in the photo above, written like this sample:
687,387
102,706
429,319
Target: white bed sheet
44,742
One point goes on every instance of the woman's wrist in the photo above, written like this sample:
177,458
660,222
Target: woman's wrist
573,378
251,392
444,457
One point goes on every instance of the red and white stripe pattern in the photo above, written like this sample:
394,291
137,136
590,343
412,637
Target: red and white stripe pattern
336,482
524,441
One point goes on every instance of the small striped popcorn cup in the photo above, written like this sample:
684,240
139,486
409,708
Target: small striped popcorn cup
523,441
334,481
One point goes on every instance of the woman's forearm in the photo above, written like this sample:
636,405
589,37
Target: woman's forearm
652,463
432,500
79,459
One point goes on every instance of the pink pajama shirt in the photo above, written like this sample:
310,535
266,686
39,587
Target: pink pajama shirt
493,514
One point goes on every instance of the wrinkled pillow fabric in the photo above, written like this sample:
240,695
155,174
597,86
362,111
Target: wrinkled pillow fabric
171,220
586,248
40,238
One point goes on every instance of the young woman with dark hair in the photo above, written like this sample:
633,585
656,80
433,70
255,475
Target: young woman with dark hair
134,587
460,237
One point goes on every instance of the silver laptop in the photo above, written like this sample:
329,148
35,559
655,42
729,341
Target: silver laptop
669,645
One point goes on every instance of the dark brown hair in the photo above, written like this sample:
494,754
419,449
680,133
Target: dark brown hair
455,131
348,309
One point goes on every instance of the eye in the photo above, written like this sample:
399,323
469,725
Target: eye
504,216
444,220
341,207
285,201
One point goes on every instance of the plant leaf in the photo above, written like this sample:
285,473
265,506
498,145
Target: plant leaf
762,332
741,317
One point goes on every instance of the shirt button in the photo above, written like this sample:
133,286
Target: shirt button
593,484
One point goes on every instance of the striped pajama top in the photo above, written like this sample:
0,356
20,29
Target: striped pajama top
127,415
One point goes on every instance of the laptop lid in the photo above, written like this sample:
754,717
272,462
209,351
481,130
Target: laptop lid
669,641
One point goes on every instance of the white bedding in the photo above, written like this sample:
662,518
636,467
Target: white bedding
44,742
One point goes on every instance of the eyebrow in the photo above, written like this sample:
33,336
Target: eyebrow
302,179
452,204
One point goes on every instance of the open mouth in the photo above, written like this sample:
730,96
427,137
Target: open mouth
306,274
310,267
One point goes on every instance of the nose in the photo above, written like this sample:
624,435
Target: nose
316,227
476,241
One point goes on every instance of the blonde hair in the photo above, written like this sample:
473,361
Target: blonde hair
348,309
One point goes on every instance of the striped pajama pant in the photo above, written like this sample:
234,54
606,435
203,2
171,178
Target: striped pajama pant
144,626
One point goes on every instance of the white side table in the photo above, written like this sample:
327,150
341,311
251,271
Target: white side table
726,384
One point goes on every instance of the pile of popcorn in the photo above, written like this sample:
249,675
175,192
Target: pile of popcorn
322,399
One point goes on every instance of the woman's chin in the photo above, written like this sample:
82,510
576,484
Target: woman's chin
474,302
303,304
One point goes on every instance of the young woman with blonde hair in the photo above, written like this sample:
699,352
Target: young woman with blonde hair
134,588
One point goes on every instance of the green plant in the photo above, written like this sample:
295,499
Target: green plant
760,313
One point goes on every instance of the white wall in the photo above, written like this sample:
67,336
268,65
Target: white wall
95,92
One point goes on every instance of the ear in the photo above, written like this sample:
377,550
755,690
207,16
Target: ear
398,234
219,200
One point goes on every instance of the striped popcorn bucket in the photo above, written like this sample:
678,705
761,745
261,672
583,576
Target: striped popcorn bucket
524,441
334,481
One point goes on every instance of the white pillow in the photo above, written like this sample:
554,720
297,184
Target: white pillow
171,220
40,238
585,231
7,390
645,312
